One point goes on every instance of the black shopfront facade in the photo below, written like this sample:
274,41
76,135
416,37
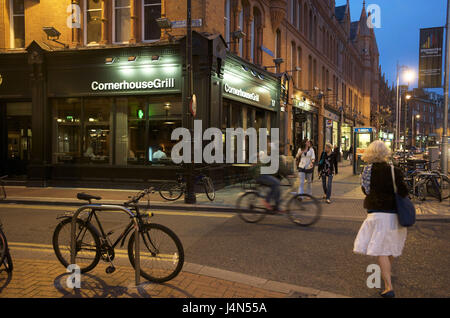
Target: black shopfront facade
99,115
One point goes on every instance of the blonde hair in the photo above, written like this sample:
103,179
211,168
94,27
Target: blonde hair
376,152
329,146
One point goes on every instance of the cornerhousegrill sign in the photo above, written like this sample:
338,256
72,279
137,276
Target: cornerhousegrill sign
239,92
132,85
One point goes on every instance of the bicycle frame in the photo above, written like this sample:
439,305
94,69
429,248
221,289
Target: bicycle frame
135,220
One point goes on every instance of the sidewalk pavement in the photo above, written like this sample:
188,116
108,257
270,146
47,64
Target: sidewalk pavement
36,278
346,198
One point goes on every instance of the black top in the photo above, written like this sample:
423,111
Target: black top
381,195
328,163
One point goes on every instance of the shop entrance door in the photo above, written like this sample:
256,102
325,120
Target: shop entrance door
18,138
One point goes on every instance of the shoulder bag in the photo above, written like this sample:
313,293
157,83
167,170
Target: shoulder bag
405,208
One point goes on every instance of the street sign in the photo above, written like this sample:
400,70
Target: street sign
196,23
430,57
193,105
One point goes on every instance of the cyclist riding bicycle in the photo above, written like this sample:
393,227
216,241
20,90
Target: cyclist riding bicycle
272,181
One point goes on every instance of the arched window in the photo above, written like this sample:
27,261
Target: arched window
278,43
241,27
293,61
227,21
299,15
299,64
256,37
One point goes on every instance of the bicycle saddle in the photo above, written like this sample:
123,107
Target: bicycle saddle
87,197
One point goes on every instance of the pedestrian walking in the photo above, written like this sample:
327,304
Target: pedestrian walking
305,158
328,167
350,154
381,234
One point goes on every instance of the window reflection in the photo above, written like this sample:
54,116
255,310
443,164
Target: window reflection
67,128
97,130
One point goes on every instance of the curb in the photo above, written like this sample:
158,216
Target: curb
191,208
293,291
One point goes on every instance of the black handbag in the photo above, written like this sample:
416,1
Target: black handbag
406,210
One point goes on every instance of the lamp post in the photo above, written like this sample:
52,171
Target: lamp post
190,185
413,127
409,75
407,98
444,156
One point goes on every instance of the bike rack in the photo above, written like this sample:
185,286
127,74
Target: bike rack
137,264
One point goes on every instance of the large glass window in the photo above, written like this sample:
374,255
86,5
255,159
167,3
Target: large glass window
67,130
152,11
120,131
122,17
97,133
164,115
93,21
17,18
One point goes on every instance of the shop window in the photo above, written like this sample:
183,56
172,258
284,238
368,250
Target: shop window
152,11
122,17
93,21
130,130
97,130
67,130
17,28
164,115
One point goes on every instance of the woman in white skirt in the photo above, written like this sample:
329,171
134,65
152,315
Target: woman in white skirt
381,235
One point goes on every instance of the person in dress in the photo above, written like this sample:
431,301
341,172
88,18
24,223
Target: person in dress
305,158
381,235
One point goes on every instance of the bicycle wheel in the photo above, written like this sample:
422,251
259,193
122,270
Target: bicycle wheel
171,191
3,246
445,188
250,201
421,190
87,244
209,188
304,209
8,262
161,253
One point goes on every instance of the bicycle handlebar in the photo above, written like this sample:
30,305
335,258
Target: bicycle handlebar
135,199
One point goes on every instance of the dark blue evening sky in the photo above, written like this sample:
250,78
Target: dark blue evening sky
398,37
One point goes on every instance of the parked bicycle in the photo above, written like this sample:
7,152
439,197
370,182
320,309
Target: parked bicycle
161,251
172,191
301,209
425,182
5,255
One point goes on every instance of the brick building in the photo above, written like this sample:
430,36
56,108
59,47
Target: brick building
424,119
104,85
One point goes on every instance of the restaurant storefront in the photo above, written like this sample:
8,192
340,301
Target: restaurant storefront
250,99
105,115
304,122
346,136
331,128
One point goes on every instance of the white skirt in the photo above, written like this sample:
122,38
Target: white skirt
380,235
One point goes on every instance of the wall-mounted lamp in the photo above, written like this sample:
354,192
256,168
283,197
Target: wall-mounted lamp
110,60
53,35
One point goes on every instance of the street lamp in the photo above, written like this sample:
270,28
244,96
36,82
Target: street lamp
408,76
407,97
413,127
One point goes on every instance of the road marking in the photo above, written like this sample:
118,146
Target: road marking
155,212
33,247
